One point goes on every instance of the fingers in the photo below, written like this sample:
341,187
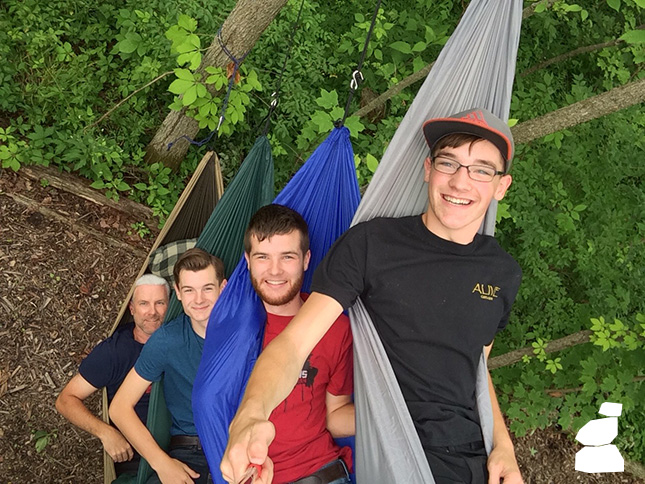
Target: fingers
266,476
190,472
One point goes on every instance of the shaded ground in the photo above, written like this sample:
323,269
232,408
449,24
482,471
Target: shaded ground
60,291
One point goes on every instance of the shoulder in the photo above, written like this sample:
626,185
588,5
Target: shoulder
168,332
490,246
121,338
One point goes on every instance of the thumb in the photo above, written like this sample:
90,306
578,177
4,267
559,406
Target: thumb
494,475
262,435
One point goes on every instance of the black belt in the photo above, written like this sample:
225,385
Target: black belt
185,441
335,470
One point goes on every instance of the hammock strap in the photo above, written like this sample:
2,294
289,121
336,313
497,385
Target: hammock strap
276,94
357,75
236,65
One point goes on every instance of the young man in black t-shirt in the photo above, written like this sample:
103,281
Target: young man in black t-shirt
437,293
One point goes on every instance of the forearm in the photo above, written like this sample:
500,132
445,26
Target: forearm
277,369
125,418
341,422
74,410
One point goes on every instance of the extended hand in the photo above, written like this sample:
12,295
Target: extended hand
248,443
176,472
503,468
116,446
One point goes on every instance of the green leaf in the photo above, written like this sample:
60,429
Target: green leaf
128,46
122,186
401,46
140,186
323,121
190,95
419,47
353,123
186,22
371,162
180,86
98,184
327,99
41,443
184,74
615,4
634,36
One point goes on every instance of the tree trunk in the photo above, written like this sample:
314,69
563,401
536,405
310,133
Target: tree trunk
240,32
592,108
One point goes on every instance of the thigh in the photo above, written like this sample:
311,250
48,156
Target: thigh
195,459
463,464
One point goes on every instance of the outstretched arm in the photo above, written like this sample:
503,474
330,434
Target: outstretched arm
274,376
70,405
124,416
502,464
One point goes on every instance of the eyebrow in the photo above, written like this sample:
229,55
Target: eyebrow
289,252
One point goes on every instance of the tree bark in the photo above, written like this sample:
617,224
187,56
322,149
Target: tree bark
507,359
240,32
586,110
75,186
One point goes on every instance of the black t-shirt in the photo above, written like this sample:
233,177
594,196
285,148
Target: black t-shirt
109,363
434,304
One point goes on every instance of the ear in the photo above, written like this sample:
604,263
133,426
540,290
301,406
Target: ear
504,182
427,167
131,307
306,260
223,285
246,256
177,293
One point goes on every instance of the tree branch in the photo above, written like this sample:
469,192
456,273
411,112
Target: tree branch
573,53
560,344
422,73
558,392
586,110
116,106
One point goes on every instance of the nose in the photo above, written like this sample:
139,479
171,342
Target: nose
274,267
461,179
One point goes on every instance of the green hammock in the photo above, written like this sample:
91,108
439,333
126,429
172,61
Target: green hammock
187,219
222,236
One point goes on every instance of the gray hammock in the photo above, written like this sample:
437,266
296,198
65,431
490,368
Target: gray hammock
475,69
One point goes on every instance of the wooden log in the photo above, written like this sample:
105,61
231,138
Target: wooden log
81,227
71,184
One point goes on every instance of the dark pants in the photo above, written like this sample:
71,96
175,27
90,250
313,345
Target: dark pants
458,464
193,456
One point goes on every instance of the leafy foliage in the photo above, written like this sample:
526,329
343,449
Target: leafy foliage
573,217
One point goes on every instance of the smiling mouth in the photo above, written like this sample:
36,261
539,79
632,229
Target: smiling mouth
456,201
275,283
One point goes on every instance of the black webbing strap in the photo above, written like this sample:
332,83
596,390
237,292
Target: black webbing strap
357,75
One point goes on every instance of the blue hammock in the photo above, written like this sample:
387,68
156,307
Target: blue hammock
325,192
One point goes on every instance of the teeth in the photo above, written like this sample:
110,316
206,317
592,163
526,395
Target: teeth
275,282
457,201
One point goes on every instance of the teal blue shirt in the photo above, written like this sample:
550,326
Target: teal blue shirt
174,352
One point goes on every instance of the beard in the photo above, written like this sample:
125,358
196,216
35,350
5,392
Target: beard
278,299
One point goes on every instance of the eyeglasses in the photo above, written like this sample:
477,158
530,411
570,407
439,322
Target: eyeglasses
482,173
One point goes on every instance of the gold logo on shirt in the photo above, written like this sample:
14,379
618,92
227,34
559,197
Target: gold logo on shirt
486,291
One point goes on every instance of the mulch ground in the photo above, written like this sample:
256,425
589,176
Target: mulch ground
60,291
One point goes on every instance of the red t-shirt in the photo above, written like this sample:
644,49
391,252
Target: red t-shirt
303,444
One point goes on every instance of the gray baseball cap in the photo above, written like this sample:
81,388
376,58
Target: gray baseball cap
479,122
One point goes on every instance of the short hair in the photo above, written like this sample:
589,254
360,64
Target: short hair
196,259
455,140
152,280
273,220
